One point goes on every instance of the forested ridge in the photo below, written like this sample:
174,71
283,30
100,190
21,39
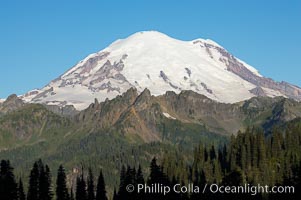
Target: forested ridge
131,129
249,158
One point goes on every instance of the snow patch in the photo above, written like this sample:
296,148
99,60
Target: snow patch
169,116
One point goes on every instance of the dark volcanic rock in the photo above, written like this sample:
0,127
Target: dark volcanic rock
258,91
239,69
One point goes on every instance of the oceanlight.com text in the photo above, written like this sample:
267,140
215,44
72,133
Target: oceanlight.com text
210,188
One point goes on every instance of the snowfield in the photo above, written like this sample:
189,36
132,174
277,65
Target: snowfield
150,60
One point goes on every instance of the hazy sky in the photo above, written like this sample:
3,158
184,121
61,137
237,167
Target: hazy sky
41,39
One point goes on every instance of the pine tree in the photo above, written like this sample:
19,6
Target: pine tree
81,192
139,176
48,185
232,152
39,182
243,152
261,160
101,193
157,177
42,182
155,173
90,183
61,185
8,185
122,185
33,189
45,192
222,158
139,180
248,147
21,193
212,153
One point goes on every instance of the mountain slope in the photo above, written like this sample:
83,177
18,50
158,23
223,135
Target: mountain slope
29,124
155,61
132,128
142,118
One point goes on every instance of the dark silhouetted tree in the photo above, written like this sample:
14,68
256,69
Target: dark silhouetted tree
45,192
101,193
155,173
90,183
139,176
33,189
139,180
81,192
61,185
8,185
39,182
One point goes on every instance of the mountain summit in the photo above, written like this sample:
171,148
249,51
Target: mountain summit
160,63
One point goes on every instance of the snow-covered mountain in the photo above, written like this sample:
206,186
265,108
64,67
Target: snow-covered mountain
160,63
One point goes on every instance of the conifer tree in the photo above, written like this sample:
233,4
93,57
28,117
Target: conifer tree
212,153
139,180
139,176
48,185
122,185
101,193
222,158
61,185
90,183
33,189
156,177
261,150
126,178
155,173
81,192
8,185
45,192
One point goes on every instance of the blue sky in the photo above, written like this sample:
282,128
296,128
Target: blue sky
39,40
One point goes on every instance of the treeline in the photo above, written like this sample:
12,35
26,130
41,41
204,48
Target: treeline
40,185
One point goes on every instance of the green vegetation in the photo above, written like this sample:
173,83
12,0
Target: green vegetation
192,145
248,158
